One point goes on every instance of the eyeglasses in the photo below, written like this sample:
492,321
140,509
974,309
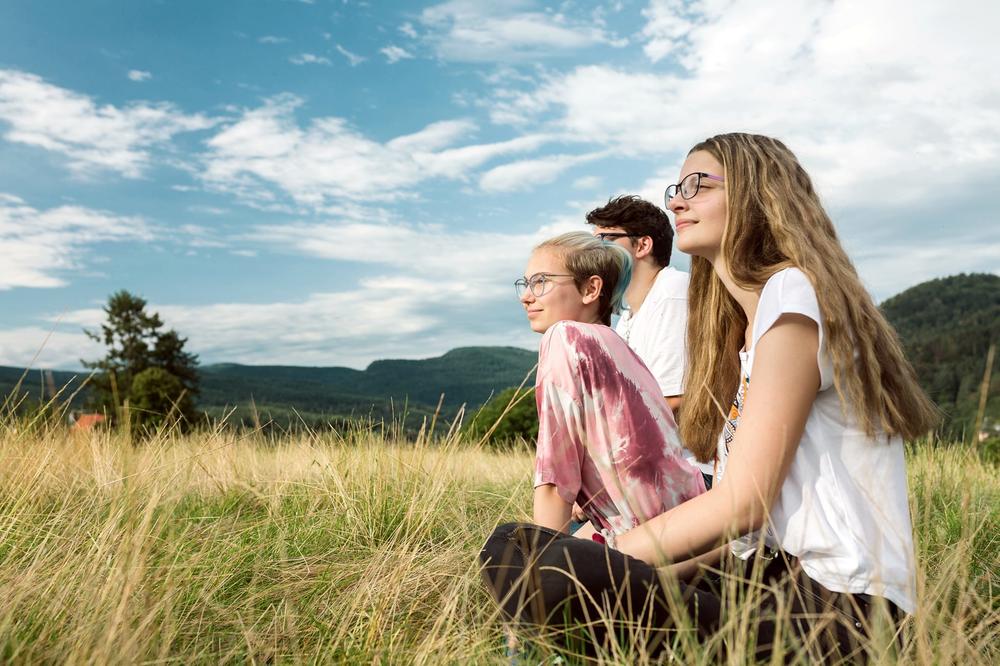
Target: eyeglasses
537,283
688,187
612,235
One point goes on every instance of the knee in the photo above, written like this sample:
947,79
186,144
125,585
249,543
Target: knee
498,542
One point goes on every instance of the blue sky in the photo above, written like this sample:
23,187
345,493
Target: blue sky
329,182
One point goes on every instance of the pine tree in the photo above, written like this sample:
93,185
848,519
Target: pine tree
143,365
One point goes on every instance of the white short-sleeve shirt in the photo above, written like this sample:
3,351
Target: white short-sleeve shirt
657,331
658,334
843,508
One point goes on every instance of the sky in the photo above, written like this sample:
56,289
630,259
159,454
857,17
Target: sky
330,182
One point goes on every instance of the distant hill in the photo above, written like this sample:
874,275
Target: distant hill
467,375
946,326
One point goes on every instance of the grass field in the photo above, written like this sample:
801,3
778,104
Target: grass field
323,548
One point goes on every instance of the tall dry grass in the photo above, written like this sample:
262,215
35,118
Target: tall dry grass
220,547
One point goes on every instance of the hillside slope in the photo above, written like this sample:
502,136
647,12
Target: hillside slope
946,326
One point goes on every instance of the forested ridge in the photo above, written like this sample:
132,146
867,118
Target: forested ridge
946,326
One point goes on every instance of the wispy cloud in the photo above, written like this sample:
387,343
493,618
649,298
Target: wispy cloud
892,265
139,75
48,347
93,137
309,59
353,58
587,183
328,159
408,30
394,54
410,311
384,317
41,246
528,174
272,39
480,31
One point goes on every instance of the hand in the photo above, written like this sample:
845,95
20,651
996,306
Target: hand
578,514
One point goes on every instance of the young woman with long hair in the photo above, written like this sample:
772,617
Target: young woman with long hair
798,390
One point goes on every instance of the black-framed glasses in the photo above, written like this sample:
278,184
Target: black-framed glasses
612,235
688,187
537,283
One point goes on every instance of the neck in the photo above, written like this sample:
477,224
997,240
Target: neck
643,276
746,298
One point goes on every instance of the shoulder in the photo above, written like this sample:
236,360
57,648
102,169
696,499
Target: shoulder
671,283
572,341
573,334
789,290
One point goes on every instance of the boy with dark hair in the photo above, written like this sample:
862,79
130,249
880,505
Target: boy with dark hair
655,323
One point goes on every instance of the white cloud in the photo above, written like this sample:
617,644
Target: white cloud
208,210
329,159
309,59
139,75
272,39
408,30
418,308
92,137
394,54
386,317
588,183
890,267
480,31
38,247
527,174
668,23
46,348
353,58
478,259
868,105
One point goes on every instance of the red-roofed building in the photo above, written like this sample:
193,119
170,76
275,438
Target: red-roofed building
87,421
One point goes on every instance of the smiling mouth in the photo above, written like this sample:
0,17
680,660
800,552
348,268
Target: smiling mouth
680,224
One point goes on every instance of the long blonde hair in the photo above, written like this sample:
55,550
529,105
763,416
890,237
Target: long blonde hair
775,221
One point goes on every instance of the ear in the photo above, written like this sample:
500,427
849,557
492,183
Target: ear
643,247
591,289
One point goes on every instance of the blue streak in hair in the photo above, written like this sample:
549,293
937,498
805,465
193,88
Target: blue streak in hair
624,276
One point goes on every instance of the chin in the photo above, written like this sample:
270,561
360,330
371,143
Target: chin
692,249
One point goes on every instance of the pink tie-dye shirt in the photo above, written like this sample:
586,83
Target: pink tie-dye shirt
606,437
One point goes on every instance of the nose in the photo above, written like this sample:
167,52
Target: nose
677,203
527,297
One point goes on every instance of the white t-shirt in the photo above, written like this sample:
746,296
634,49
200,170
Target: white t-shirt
657,334
843,508
657,331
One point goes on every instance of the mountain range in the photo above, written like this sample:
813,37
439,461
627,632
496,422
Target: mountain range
946,326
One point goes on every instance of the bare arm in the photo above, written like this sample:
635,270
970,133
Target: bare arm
674,402
785,382
687,569
550,510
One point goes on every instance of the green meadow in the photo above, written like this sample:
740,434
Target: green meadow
220,547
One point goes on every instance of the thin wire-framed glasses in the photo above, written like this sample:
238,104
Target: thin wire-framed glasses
688,187
537,283
610,236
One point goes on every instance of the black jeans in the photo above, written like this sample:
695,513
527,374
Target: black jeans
544,579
